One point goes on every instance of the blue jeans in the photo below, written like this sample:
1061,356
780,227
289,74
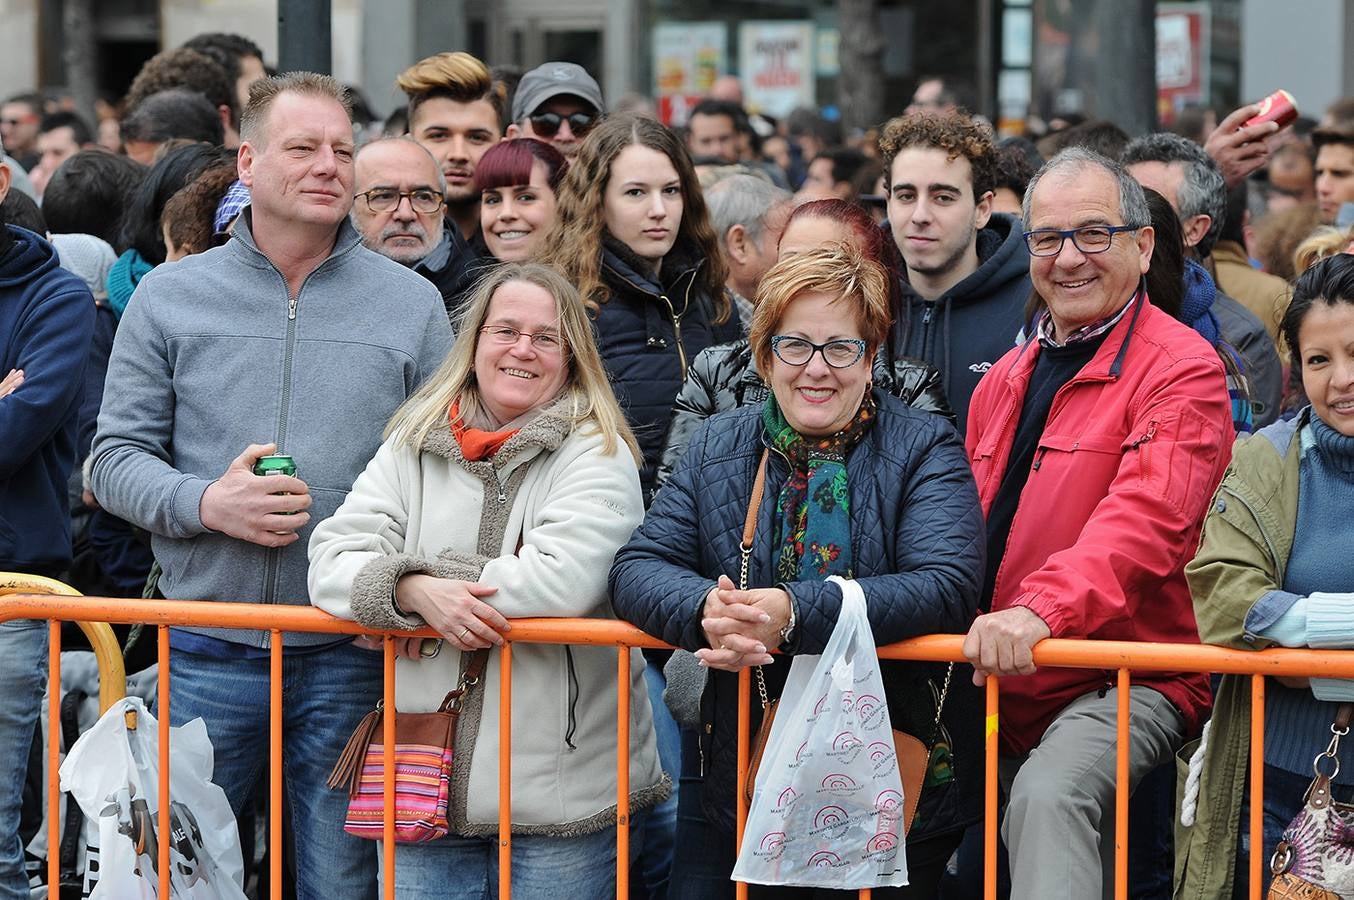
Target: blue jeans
543,868
324,695
655,864
23,674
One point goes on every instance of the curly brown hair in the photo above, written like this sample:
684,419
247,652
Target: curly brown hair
581,219
957,133
185,68
189,214
456,76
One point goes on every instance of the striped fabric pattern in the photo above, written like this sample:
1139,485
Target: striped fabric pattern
422,785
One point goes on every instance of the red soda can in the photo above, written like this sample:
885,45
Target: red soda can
1277,107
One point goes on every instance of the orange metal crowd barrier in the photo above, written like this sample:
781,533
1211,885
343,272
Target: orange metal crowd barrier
1122,657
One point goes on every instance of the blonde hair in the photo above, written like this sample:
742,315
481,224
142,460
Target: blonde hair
1325,241
263,92
454,382
839,270
581,211
456,76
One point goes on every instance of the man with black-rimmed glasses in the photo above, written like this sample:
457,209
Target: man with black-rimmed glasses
1096,444
398,199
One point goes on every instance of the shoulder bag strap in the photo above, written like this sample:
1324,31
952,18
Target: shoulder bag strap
745,553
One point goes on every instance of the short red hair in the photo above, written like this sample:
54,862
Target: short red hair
509,163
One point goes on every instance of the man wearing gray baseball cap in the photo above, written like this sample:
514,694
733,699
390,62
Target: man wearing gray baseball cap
556,102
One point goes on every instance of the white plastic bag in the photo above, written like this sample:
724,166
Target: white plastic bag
113,773
828,803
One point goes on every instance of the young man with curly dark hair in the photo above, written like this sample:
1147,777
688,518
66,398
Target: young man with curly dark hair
967,269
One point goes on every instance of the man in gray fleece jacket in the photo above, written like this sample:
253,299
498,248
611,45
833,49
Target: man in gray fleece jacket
291,338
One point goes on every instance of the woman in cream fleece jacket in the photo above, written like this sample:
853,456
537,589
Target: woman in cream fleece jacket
504,488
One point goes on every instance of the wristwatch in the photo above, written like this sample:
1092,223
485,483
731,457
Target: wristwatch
788,632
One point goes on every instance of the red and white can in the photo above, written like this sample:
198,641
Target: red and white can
1277,107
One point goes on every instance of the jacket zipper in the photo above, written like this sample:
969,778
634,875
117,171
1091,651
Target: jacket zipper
1147,436
1038,461
498,484
677,329
272,559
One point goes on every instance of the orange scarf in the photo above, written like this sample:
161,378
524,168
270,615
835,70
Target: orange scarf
477,444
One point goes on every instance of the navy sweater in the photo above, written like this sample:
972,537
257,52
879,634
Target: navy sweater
46,325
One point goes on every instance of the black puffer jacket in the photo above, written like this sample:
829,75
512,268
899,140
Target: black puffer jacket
724,378
647,334
917,544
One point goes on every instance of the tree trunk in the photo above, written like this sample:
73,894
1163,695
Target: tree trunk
860,86
1126,75
81,57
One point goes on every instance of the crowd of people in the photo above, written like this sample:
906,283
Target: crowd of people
537,356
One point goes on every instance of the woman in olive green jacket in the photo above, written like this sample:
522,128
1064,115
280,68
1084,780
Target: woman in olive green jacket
1275,567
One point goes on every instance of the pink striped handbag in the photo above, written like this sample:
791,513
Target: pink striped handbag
424,744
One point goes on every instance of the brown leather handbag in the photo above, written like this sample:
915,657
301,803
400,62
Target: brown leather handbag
914,758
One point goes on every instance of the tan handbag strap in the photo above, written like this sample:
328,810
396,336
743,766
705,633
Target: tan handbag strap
755,504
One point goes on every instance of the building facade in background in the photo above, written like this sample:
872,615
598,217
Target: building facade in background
1005,58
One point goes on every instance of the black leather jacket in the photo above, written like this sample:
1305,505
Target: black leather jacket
723,378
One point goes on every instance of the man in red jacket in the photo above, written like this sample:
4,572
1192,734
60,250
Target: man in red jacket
1096,445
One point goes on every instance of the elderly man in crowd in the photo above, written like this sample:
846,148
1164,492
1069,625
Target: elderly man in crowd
397,207
291,338
1190,180
1093,505
748,214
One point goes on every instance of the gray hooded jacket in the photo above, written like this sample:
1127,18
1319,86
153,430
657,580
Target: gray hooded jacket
211,356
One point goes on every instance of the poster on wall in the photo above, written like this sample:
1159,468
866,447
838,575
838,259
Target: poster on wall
688,57
1183,36
776,61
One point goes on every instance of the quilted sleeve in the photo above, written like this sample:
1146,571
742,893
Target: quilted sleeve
654,584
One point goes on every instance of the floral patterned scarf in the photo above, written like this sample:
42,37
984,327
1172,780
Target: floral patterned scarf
813,516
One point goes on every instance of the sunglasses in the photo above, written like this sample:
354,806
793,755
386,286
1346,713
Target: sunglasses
547,124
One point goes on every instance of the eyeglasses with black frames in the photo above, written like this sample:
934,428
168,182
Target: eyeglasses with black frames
423,200
839,354
1087,239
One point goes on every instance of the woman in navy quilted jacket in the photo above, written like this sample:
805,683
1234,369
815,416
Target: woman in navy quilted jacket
635,237
857,484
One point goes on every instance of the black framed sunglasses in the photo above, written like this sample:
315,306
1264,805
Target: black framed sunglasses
547,124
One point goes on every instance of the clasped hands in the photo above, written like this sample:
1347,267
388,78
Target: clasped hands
742,627
454,609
